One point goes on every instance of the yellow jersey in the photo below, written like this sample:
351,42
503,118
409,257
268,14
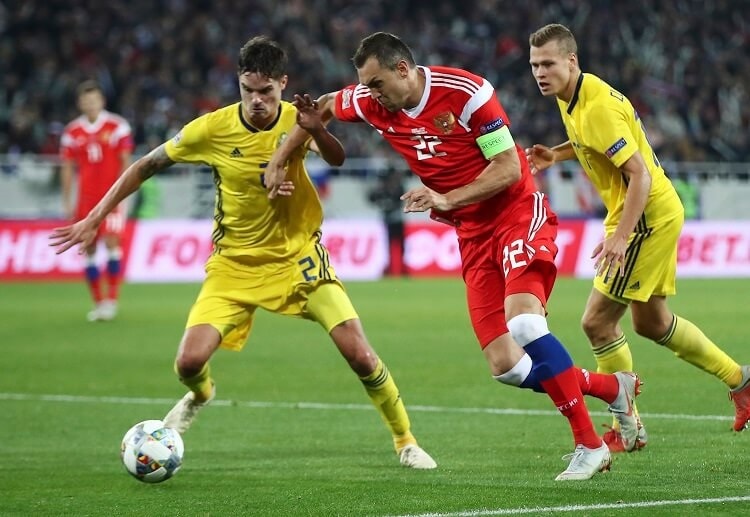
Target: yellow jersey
605,132
248,227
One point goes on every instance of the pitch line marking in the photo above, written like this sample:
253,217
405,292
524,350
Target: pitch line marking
582,507
88,399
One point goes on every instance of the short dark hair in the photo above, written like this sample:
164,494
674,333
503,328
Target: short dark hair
88,86
261,55
387,48
555,32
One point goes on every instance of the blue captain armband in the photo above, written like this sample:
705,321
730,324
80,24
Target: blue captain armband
496,142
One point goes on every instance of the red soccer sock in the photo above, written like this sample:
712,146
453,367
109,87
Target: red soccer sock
604,386
113,284
95,289
565,392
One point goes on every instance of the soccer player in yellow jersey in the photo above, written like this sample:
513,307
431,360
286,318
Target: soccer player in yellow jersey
637,260
266,252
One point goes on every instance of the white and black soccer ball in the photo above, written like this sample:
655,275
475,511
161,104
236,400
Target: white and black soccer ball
151,452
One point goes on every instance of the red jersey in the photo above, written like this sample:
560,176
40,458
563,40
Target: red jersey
97,149
437,138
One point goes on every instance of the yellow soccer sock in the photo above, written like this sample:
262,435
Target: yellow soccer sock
615,357
200,383
690,344
384,394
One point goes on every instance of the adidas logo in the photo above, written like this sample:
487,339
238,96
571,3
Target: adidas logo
236,153
636,285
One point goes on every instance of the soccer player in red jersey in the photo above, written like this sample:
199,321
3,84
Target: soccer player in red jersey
99,145
452,131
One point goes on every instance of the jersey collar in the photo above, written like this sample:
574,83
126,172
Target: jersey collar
574,100
254,129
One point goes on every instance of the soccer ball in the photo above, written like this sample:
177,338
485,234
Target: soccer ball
151,452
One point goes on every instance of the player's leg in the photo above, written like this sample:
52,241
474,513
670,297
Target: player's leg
93,281
218,318
112,230
654,320
329,305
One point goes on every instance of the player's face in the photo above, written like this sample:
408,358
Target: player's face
389,87
261,97
91,104
552,68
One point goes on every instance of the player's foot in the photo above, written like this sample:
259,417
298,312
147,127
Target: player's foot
413,456
622,408
95,314
183,413
613,439
107,310
585,462
741,398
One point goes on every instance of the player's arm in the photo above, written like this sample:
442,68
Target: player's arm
502,171
610,253
541,157
329,147
66,182
84,231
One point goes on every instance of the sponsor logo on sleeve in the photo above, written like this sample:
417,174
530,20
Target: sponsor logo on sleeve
615,147
491,126
346,98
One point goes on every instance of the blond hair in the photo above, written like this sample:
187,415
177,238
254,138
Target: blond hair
555,32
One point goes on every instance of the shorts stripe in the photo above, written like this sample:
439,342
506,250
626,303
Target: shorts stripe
540,216
325,262
642,232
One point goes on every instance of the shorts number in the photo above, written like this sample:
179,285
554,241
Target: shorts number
511,254
307,266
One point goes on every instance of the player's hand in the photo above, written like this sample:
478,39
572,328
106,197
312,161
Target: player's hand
308,116
422,199
609,257
273,178
65,237
540,157
286,189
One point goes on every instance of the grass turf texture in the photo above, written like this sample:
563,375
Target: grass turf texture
292,432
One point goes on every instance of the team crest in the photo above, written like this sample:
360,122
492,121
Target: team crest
104,136
445,122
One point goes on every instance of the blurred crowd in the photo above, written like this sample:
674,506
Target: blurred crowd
683,63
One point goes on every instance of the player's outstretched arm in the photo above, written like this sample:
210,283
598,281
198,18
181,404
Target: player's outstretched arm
541,157
313,116
84,231
276,169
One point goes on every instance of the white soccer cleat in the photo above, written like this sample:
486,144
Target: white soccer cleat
183,413
585,462
413,456
622,408
107,310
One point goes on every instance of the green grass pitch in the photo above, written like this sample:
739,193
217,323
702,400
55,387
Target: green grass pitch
292,432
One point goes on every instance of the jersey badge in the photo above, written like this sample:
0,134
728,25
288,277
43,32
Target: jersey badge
445,122
346,98
491,126
615,147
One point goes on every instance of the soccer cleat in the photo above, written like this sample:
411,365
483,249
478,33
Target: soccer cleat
413,456
613,439
107,310
622,409
741,398
183,413
585,462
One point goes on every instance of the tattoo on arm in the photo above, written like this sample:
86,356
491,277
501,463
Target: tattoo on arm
154,162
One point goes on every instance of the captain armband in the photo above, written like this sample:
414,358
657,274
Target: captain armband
496,142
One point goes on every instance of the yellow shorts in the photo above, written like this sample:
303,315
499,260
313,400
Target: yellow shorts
306,287
650,265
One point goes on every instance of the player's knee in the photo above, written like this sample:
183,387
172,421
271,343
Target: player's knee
526,328
189,363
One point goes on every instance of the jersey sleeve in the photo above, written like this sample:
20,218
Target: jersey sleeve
489,123
124,135
345,108
191,144
66,145
610,133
